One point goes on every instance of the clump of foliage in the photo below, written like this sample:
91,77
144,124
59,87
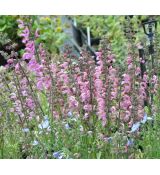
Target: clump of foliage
8,24
109,26
49,30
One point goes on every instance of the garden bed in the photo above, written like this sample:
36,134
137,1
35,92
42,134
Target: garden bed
61,106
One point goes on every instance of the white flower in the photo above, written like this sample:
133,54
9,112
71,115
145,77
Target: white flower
149,118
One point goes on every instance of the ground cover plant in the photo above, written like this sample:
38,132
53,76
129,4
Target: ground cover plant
69,107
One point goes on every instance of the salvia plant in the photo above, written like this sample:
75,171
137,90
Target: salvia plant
69,107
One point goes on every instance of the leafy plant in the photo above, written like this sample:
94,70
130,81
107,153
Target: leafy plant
49,31
8,25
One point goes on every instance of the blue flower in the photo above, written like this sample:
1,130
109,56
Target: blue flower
45,123
35,142
130,142
25,130
135,127
109,139
144,120
67,126
70,114
58,155
45,117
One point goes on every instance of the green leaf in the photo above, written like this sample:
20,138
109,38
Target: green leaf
3,28
99,155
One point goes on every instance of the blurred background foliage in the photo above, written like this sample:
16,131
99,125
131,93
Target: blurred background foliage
51,30
112,27
8,25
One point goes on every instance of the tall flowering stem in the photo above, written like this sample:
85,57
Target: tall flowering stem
100,90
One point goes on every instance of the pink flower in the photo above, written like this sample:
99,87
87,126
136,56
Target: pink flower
27,56
55,114
127,89
25,34
10,61
64,65
29,50
99,91
31,115
47,82
86,115
98,83
17,68
138,71
53,68
40,84
113,109
99,54
126,79
154,79
127,116
87,107
73,103
24,93
30,104
13,96
42,53
143,85
129,60
112,72
110,58
113,95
